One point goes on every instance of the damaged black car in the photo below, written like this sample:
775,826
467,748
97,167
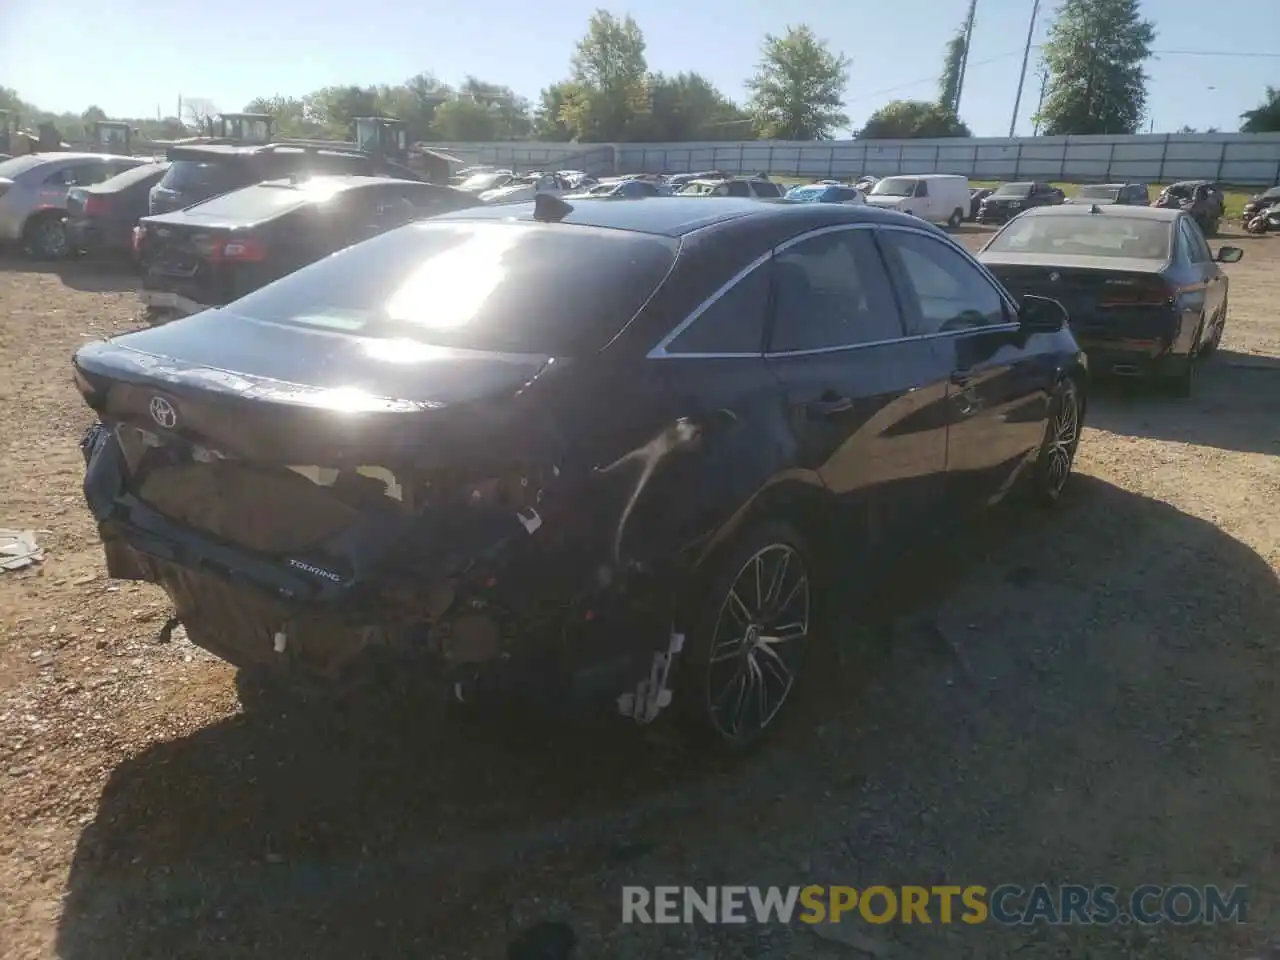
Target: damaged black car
606,452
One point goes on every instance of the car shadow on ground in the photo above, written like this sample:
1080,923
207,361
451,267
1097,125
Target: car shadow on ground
105,275
1236,406
394,833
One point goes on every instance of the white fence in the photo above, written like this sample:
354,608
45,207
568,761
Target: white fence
1232,158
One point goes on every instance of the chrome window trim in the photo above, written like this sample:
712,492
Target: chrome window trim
659,352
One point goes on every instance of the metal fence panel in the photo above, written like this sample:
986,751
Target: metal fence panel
1245,159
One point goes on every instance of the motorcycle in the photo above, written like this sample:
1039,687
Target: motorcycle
1265,221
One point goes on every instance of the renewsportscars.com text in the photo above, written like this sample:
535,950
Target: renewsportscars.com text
1007,904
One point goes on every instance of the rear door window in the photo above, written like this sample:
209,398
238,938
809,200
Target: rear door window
736,188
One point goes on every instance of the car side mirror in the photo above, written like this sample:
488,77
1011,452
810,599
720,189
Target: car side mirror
1041,314
1228,255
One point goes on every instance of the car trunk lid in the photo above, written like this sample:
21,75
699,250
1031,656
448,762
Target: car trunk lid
1126,297
301,396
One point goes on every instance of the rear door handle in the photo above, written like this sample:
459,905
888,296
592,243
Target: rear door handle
830,406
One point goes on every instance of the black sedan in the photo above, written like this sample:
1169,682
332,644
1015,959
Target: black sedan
593,450
1144,292
101,217
1010,199
217,250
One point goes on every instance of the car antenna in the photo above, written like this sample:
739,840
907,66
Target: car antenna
550,209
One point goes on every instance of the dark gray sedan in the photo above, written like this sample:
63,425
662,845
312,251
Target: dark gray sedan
1144,293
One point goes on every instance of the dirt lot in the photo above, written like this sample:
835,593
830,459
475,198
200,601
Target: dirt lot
1085,696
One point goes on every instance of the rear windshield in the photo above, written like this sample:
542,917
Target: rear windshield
1086,235
1013,190
260,201
1098,193
767,188
485,286
190,176
127,179
16,165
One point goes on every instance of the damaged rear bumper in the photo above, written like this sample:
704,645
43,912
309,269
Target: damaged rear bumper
500,625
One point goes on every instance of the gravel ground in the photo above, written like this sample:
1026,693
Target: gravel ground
1084,696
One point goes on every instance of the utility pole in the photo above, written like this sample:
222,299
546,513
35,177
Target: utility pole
1022,77
964,61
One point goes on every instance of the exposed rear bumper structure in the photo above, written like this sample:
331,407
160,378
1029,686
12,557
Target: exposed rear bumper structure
497,623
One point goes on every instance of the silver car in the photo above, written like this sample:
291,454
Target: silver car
33,195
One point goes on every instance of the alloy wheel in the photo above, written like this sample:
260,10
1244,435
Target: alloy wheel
1065,431
758,642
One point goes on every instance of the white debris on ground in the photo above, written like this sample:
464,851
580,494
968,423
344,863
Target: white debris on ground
18,549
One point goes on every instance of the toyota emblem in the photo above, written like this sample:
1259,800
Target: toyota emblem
1055,276
162,412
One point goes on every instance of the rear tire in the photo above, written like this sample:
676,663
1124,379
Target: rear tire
956,218
1057,456
45,237
751,631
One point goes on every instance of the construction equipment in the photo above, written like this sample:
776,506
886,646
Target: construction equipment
381,136
245,128
111,136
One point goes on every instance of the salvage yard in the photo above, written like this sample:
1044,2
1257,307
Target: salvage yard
1085,696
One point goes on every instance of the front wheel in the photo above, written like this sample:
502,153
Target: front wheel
749,638
1061,439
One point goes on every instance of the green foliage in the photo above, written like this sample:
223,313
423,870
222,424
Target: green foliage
797,92
1095,53
912,119
952,65
1264,118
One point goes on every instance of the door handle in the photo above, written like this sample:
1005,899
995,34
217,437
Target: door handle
829,406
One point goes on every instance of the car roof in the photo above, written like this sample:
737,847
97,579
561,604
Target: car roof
677,216
54,156
340,181
1104,210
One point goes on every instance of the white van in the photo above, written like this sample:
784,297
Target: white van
936,197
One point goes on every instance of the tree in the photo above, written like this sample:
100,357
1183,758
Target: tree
687,106
92,113
609,89
336,107
1264,118
198,112
1094,54
467,120
547,122
912,119
952,66
797,92
414,103
289,113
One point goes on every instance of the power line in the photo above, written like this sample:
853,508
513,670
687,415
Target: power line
933,79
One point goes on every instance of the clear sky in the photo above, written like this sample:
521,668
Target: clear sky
134,57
